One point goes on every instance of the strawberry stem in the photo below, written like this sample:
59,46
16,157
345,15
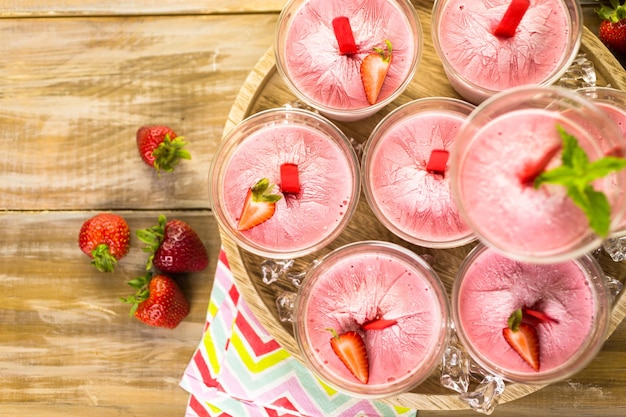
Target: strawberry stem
437,161
103,260
512,18
140,284
152,237
344,35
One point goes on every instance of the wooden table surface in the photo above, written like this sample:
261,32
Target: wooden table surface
77,78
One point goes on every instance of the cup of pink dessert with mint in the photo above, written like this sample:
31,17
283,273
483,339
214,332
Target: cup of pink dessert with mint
406,178
372,319
613,103
284,183
530,323
487,47
534,174
348,58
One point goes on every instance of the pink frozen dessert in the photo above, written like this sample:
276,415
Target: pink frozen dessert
479,62
384,301
563,309
613,103
284,183
327,50
405,183
505,144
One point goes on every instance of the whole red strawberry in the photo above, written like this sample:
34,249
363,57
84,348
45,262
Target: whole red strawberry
174,246
106,239
160,147
158,302
612,31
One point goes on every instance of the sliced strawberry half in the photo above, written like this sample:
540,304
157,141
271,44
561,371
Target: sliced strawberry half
523,339
532,170
289,178
378,324
374,69
350,349
259,205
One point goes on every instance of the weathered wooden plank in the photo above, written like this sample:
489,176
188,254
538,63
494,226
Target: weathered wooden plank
47,8
74,91
67,343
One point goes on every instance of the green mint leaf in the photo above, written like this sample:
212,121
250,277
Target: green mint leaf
577,174
603,167
561,175
573,155
596,207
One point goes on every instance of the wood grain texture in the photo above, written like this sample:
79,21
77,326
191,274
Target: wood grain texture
264,89
75,91
77,78
47,8
67,343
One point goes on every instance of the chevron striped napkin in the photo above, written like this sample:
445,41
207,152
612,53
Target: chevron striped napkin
239,370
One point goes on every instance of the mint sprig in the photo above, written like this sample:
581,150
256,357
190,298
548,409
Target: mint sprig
577,174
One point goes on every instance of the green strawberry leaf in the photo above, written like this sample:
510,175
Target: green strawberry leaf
577,174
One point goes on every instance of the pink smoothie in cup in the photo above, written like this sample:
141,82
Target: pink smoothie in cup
572,294
479,64
309,60
504,136
413,202
356,284
328,176
613,103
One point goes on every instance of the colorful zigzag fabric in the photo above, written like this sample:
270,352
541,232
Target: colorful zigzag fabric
239,370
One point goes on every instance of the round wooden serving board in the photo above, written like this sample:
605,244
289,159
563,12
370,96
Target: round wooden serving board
264,89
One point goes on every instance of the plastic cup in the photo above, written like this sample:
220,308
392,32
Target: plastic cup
500,141
328,172
356,284
479,64
414,203
311,65
572,295
613,103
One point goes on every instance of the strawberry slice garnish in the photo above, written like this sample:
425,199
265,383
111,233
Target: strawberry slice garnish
374,69
437,161
523,339
350,349
344,35
259,205
289,179
512,18
532,170
378,324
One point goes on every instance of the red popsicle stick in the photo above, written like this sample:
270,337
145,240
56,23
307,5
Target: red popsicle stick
378,324
541,316
437,162
289,179
533,169
511,19
344,35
